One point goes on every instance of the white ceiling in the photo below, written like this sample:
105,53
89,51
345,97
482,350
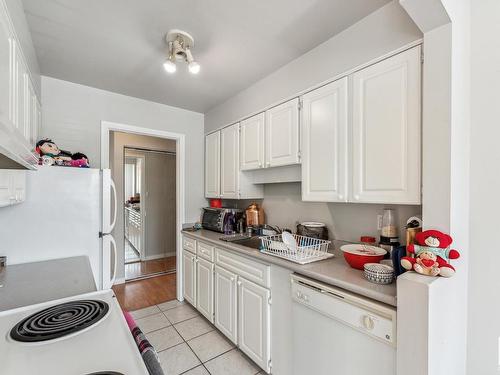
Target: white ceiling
117,45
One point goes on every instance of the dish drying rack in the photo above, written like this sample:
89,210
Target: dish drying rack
308,249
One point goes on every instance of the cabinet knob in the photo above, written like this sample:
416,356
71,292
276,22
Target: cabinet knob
356,197
232,279
341,196
368,322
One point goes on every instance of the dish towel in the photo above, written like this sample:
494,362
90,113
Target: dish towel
148,353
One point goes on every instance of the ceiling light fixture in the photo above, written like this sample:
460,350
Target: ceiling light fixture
180,44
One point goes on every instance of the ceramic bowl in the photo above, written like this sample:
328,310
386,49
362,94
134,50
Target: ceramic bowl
379,273
358,255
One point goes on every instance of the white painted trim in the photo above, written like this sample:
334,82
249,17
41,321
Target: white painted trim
107,127
324,83
159,256
119,281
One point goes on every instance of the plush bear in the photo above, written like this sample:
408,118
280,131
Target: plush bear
431,254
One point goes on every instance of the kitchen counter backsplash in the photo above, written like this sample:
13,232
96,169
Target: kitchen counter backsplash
284,207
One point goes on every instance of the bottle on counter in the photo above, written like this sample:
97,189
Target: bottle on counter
389,239
255,215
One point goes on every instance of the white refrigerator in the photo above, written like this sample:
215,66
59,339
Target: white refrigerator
67,212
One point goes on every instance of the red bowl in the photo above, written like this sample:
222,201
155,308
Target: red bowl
358,255
216,203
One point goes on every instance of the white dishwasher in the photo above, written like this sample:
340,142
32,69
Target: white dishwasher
340,333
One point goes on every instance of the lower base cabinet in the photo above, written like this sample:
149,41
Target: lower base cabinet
205,288
254,317
226,296
189,276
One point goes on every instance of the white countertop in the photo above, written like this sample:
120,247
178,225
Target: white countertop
334,271
29,283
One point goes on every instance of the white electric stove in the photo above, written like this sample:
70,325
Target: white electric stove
80,335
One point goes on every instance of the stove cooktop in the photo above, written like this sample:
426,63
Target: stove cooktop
59,320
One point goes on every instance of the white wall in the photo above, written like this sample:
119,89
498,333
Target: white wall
284,207
484,280
381,32
72,116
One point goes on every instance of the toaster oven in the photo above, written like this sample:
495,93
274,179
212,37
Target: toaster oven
215,218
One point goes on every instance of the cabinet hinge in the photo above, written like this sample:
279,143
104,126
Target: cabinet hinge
300,105
422,56
270,364
270,300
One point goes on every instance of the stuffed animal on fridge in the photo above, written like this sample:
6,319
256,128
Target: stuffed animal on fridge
50,153
431,254
79,160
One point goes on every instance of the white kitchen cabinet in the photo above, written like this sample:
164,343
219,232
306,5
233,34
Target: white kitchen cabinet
234,183
5,68
225,291
205,288
252,142
212,165
325,143
20,83
282,134
386,127
254,316
230,165
12,187
189,276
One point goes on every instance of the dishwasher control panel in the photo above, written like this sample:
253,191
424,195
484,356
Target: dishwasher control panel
372,318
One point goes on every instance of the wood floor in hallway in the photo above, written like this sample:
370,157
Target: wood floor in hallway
148,292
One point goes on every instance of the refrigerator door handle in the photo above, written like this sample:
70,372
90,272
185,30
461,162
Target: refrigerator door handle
115,204
115,257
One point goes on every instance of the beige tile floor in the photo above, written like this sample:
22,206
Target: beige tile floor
189,344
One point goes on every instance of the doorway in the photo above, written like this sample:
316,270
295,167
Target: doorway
169,285
149,210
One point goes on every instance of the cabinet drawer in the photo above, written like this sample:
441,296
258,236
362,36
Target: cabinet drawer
189,244
251,270
205,251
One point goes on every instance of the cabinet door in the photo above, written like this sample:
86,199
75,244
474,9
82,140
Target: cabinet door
189,276
254,331
386,131
282,134
252,142
324,143
5,67
230,164
225,303
18,186
21,79
5,188
205,288
212,165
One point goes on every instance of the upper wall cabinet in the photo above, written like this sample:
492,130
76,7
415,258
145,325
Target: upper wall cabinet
386,128
223,178
230,165
324,143
252,142
282,134
212,165
20,110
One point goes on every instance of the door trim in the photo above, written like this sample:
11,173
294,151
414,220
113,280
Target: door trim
180,140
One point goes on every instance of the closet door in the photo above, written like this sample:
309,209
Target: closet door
324,143
386,131
252,142
212,165
230,164
282,134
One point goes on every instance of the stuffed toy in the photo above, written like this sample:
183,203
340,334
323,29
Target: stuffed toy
50,153
431,253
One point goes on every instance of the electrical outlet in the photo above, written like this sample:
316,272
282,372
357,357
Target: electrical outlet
379,222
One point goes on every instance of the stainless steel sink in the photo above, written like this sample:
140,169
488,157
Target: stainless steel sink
253,242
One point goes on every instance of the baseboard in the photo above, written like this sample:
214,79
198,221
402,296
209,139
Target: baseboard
158,256
118,281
